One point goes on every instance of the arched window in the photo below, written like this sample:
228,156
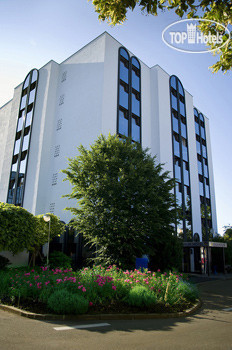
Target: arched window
129,96
203,175
22,139
180,157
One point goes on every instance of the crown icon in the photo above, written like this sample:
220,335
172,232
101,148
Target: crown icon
191,30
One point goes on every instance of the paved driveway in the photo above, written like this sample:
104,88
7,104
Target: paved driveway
211,328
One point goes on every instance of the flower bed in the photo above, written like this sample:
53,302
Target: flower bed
95,290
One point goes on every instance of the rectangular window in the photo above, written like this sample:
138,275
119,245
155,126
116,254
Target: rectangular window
124,71
123,122
123,95
135,128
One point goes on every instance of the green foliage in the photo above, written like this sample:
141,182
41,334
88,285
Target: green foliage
188,291
99,286
20,230
115,12
59,259
3,262
17,228
140,296
4,284
125,205
64,302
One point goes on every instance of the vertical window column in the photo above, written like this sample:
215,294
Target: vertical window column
203,175
22,140
180,157
129,96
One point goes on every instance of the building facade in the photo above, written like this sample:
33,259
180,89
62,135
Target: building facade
100,89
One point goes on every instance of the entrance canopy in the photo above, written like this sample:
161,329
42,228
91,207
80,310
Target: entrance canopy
205,244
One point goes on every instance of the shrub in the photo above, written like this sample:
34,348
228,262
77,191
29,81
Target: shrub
140,296
64,302
59,259
3,262
4,284
188,291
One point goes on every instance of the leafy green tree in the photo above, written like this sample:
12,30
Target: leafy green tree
42,232
228,233
21,230
17,228
125,207
216,10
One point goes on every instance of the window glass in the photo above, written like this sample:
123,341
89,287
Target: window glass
23,102
22,168
135,104
197,128
123,96
206,173
31,96
178,194
177,169
203,132
174,102
182,108
198,147
173,82
28,119
204,153
201,189
176,145
25,142
124,72
34,76
135,129
17,146
175,124
20,122
199,167
184,149
123,122
183,130
135,80
135,62
181,91
124,53
25,85
186,173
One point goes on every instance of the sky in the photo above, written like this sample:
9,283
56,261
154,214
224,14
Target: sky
34,32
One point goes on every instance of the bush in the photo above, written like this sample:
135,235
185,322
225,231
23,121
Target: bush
4,262
4,285
188,291
59,259
64,302
140,296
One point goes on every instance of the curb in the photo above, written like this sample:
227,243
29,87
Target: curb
141,316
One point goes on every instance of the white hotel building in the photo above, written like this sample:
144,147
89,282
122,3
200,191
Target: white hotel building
103,88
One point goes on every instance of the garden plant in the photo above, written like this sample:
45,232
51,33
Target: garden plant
95,290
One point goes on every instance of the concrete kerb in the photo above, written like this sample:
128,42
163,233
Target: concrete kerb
141,316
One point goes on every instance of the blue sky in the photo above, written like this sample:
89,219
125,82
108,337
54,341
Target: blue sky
34,32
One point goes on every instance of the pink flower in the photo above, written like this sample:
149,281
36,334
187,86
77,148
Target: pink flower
90,303
113,287
83,289
30,285
158,270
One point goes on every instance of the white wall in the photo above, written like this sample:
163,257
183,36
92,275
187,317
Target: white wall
211,176
9,111
193,167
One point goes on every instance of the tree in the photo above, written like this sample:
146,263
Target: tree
125,205
42,231
17,227
216,10
228,233
21,230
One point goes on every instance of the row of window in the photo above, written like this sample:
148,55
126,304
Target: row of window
181,158
22,139
203,174
129,96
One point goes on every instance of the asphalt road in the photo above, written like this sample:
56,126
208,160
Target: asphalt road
210,328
